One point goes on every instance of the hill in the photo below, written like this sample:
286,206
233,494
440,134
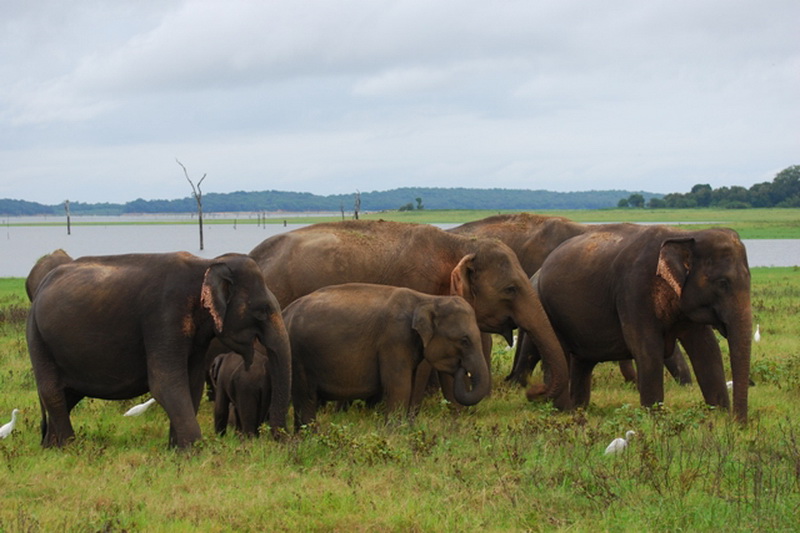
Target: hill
429,197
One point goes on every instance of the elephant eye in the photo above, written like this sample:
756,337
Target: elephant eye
511,290
465,342
723,284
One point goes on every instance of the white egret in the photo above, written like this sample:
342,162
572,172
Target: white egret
757,336
136,410
619,444
729,384
7,428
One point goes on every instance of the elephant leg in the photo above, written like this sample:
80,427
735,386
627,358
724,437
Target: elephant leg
580,373
486,345
677,366
304,398
221,410
423,377
526,357
173,391
704,353
247,418
627,370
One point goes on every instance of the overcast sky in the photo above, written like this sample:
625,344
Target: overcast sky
99,98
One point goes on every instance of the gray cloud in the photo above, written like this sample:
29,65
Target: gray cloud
99,98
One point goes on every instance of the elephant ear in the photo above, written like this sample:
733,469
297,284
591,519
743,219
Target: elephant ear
422,322
460,284
675,263
216,293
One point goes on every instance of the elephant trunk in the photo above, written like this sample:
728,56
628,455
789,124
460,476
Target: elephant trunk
279,355
479,378
534,320
739,344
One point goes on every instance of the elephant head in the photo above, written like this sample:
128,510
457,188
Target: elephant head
451,343
42,268
705,277
243,310
492,280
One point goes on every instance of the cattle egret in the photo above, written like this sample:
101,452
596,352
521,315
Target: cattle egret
757,336
136,410
619,444
729,384
6,429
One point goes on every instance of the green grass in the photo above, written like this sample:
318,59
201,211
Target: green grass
505,464
750,223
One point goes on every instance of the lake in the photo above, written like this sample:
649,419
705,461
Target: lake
21,246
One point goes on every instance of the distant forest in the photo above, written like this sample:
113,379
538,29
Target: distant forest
783,191
396,199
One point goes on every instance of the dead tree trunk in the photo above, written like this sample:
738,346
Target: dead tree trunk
197,194
66,208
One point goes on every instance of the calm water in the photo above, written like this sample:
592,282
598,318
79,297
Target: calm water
21,246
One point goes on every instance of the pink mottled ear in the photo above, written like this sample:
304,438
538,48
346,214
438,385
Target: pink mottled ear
675,263
215,293
460,278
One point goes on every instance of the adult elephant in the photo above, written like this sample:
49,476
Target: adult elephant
115,327
533,237
242,392
42,268
485,272
634,291
360,341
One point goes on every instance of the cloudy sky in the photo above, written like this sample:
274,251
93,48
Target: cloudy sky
98,99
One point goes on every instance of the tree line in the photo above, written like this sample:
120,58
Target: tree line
403,198
782,191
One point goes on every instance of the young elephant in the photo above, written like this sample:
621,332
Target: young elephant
356,340
115,327
243,393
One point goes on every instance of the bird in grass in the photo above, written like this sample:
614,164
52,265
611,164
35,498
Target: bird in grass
7,428
757,336
619,444
136,410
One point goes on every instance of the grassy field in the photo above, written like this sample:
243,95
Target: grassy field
750,223
504,464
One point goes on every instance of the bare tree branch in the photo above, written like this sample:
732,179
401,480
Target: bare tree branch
197,193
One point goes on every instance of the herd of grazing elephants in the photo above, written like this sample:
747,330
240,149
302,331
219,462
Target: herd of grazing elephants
379,310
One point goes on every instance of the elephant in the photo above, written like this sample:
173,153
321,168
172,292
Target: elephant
533,237
358,340
634,291
116,327
485,272
42,268
243,393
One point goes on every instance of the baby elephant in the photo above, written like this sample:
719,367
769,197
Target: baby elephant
243,394
358,340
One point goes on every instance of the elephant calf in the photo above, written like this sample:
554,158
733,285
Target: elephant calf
358,340
243,393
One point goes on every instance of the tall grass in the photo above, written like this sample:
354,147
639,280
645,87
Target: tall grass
504,464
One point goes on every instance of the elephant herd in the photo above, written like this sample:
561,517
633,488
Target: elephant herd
378,310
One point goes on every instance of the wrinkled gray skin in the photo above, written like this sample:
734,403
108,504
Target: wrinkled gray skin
116,327
633,292
241,392
43,267
532,238
358,340
485,272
